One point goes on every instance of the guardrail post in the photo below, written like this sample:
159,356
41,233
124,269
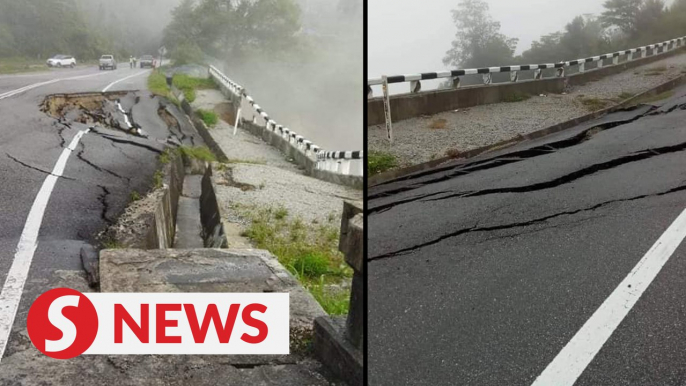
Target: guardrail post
514,76
415,86
601,63
339,341
615,60
370,92
387,109
582,66
561,72
456,82
538,73
487,78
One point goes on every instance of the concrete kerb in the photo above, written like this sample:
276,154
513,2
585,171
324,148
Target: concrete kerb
390,175
200,126
213,270
150,223
214,231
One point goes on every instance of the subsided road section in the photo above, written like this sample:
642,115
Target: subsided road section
482,271
91,186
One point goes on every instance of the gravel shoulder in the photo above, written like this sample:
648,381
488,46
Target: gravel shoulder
425,138
260,176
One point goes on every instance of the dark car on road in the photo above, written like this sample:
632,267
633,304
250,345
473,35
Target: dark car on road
147,61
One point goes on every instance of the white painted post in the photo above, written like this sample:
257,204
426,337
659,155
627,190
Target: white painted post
387,109
582,67
238,116
487,78
514,76
601,63
456,82
345,167
415,86
615,60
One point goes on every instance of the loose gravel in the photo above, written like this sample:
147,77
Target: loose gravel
415,141
259,175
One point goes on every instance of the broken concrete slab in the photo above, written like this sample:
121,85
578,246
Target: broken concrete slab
335,351
89,260
206,270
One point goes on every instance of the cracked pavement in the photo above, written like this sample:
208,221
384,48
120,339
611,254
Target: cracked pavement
481,270
108,164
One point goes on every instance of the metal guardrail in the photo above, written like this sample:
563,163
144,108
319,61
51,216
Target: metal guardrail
333,161
486,72
415,79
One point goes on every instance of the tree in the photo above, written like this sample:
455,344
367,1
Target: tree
233,30
478,41
622,14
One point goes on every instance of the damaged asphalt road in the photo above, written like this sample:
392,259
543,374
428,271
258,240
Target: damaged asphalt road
481,271
110,162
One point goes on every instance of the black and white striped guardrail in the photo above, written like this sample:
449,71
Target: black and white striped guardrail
335,161
487,71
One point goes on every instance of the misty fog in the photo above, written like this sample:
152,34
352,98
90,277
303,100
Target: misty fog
411,36
319,97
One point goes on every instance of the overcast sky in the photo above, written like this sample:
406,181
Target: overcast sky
410,36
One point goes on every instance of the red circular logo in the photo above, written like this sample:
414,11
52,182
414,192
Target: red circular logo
62,323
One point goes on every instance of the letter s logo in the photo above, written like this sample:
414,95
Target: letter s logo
62,323
65,325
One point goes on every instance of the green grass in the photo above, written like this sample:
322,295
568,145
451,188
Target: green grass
336,303
19,65
135,196
516,97
157,179
624,95
655,98
209,117
202,153
593,104
308,251
157,84
112,244
188,85
380,162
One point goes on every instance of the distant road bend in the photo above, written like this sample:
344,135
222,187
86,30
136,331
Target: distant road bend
557,261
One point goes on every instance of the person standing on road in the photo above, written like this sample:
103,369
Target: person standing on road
131,61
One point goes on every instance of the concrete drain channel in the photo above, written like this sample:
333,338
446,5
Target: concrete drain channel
174,239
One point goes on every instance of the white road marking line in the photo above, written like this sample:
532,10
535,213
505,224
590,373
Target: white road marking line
121,80
583,347
11,292
14,283
32,86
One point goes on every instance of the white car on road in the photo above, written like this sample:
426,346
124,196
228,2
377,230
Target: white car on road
62,61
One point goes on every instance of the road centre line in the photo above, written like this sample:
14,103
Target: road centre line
32,86
568,365
10,295
123,79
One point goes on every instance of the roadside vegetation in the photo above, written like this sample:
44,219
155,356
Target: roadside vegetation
17,65
309,251
209,117
157,84
202,153
379,162
188,85
623,24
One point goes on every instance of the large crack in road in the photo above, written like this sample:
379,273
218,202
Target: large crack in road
519,156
